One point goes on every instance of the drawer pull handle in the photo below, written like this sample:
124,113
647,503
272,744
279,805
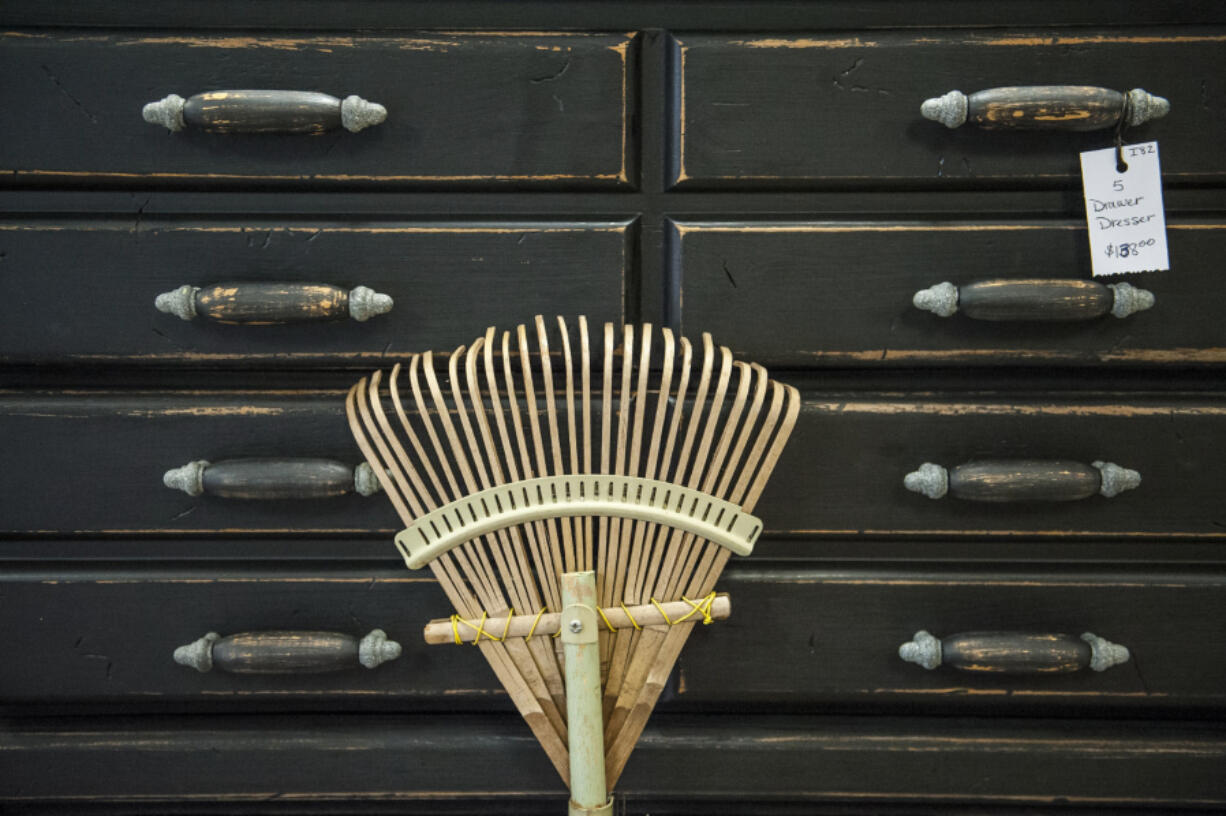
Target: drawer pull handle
1045,107
287,652
1034,299
263,112
266,478
1014,652
1010,480
265,304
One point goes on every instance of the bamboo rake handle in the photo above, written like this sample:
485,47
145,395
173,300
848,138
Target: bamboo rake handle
441,630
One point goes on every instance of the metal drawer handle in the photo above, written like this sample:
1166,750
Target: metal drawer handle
1034,299
1045,107
1014,652
280,652
264,112
267,478
1010,480
262,304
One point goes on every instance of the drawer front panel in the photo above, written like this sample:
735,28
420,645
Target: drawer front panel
86,290
839,629
804,110
835,636
842,472
104,472
764,765
837,293
462,109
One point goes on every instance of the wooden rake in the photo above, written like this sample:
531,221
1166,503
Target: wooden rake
577,505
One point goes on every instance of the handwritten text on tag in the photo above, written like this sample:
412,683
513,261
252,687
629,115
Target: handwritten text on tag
1124,210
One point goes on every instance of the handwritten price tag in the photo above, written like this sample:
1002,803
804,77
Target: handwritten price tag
1124,210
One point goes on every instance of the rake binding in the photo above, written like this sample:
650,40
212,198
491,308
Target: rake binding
577,506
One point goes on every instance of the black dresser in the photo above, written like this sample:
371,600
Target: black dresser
177,460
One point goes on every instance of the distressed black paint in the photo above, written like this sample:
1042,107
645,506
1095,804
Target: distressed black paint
263,112
505,132
1035,299
1045,107
449,279
841,474
464,109
270,303
1015,653
275,478
288,652
821,110
838,626
839,294
1020,480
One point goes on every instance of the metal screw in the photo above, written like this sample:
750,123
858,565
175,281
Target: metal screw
576,626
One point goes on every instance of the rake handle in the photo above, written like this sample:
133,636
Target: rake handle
589,795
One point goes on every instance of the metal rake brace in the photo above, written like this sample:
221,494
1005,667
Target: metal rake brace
600,494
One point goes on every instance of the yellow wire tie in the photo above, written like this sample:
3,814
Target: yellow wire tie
601,613
633,622
478,627
703,606
535,621
663,614
507,628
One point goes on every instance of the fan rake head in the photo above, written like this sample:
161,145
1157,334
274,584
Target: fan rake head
539,452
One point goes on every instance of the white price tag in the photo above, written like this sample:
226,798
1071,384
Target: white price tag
1124,210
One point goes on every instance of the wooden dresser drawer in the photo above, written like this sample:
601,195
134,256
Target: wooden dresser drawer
110,453
84,291
799,637
833,636
843,471
819,110
841,293
462,108
761,764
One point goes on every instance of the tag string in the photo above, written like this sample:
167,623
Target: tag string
1120,127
